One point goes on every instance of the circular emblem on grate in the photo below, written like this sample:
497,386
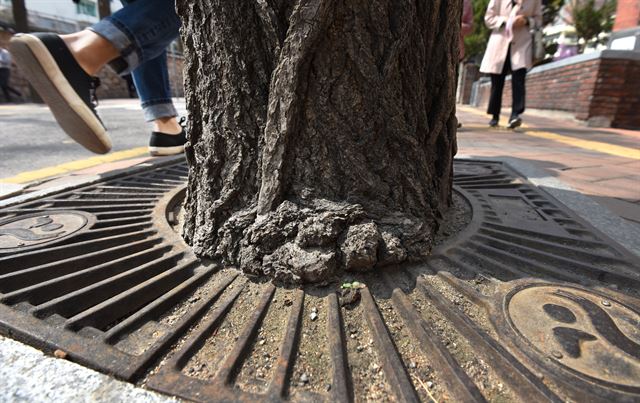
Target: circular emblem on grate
589,334
34,230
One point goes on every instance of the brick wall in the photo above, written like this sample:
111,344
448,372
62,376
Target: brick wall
112,86
602,89
627,14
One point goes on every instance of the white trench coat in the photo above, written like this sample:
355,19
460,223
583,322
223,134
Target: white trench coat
496,17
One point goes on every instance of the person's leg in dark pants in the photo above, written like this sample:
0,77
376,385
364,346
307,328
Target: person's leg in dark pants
14,91
495,100
518,91
6,93
4,83
518,96
10,90
497,86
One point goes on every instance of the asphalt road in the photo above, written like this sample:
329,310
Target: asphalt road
30,138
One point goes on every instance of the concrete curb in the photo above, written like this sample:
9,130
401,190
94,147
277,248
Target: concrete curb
10,189
27,375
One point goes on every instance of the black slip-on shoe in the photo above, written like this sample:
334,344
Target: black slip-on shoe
167,144
514,121
493,122
66,88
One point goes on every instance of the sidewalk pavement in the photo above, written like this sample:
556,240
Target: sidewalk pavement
603,164
35,147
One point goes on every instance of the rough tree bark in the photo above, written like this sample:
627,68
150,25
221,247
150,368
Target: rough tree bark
322,132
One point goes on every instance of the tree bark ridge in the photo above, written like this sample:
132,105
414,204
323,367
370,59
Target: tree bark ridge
322,132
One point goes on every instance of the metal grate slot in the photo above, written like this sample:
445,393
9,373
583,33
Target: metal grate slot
98,272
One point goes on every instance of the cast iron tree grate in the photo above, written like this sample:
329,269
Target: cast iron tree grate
528,302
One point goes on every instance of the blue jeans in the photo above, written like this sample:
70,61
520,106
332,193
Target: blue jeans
141,31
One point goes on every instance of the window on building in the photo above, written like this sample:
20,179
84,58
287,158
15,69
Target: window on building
87,7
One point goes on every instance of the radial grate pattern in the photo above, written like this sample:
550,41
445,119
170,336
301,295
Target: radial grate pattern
528,302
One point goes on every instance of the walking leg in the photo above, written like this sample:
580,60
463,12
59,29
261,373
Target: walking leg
495,100
518,91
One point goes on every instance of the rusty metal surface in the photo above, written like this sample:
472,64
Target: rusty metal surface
527,303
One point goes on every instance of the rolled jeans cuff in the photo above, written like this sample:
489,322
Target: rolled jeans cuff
153,111
118,35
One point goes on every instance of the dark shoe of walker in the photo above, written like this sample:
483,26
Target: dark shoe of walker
493,122
66,88
515,121
167,144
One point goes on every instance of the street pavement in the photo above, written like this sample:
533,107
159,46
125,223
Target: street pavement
32,140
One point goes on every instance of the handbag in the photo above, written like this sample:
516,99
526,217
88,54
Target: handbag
539,51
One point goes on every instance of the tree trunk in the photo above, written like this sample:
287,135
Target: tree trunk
322,132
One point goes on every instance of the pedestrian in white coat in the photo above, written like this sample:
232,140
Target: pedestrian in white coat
509,51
